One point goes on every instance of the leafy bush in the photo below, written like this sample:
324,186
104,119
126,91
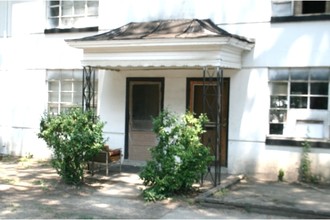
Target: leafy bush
74,139
305,168
280,175
179,159
305,172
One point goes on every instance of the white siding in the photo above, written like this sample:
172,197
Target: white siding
26,52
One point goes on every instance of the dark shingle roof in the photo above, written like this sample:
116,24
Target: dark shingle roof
164,29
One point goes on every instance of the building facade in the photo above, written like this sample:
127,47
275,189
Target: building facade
274,61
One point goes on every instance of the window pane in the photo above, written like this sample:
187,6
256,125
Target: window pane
77,98
53,97
298,102
279,74
319,103
54,11
279,88
65,108
319,88
299,74
53,74
299,88
53,110
320,74
79,7
66,97
53,22
277,116
78,74
78,87
67,8
282,8
67,74
52,3
313,7
53,86
146,104
278,102
276,129
92,7
66,86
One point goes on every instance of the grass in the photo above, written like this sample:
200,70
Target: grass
43,163
9,158
7,181
222,192
14,206
42,183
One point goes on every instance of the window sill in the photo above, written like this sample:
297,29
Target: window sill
70,30
297,142
300,18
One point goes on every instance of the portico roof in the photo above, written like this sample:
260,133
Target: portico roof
164,43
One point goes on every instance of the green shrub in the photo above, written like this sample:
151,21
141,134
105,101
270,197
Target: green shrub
179,159
305,172
280,175
74,139
305,168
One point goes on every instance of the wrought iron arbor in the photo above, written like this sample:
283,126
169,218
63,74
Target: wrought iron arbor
212,86
89,89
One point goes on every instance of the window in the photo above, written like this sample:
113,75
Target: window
72,13
299,102
311,7
146,104
287,10
64,90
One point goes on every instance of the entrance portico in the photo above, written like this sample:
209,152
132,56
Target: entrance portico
165,45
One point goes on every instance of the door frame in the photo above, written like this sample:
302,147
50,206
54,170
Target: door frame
188,97
129,80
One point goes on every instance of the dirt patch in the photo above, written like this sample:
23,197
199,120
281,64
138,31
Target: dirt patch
32,189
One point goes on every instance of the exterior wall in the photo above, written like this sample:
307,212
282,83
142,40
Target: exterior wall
26,53
248,128
221,12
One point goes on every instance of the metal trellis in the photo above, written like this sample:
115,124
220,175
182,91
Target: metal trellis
88,89
212,86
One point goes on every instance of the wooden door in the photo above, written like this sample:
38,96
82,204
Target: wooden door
196,106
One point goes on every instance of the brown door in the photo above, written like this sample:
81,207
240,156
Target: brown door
196,106
145,102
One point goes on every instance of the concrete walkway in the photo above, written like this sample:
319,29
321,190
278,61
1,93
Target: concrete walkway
270,197
290,199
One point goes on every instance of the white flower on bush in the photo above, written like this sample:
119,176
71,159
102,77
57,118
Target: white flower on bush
173,140
177,159
64,137
168,130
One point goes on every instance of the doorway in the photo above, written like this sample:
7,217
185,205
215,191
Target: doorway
144,102
195,104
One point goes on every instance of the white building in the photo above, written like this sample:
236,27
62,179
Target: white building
275,64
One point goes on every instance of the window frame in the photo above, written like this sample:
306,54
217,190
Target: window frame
60,27
292,11
72,77
285,112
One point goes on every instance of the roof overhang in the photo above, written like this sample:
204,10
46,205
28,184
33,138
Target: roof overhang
222,51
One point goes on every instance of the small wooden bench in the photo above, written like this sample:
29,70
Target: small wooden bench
107,157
